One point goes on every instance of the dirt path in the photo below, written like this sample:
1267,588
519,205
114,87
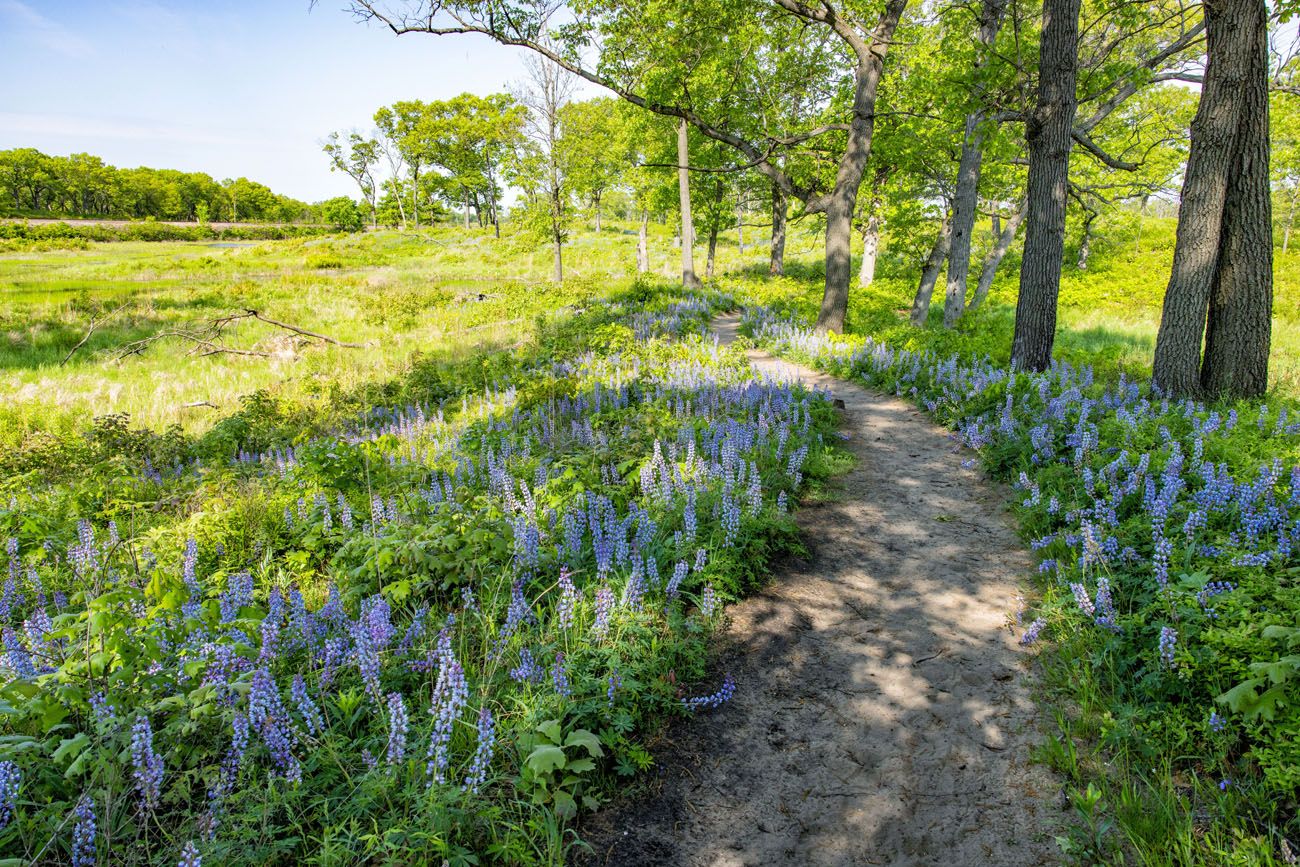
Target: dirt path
881,714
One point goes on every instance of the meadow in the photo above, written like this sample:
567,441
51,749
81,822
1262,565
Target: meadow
433,597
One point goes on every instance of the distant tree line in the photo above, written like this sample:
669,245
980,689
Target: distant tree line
34,184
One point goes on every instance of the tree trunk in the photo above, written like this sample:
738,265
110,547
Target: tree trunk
1085,242
966,195
994,257
1218,247
997,225
1049,131
642,244
689,278
1239,326
870,247
466,209
557,271
930,274
415,194
1290,219
777,266
596,200
843,198
713,250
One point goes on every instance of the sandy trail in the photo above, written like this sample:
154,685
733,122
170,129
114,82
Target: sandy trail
882,713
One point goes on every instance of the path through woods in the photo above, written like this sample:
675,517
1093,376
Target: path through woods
882,713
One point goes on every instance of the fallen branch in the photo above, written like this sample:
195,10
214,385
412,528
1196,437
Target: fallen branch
206,339
94,324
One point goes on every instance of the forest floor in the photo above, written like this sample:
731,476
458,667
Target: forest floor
883,712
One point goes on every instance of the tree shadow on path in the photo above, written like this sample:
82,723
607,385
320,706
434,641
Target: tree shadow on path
882,712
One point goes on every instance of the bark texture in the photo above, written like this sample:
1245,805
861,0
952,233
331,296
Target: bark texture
930,274
1050,135
1221,285
870,250
779,205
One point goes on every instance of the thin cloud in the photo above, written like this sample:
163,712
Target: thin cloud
46,32
91,129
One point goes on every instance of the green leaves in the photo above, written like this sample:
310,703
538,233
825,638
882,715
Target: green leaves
555,766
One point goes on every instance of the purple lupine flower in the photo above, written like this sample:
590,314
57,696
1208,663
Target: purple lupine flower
675,582
378,616
1168,644
1032,631
604,608
709,601
615,683
83,833
10,781
234,758
266,714
147,764
190,856
716,699
478,767
528,671
369,760
1217,723
19,660
307,709
560,677
1081,599
398,724
701,559
568,599
450,694
367,657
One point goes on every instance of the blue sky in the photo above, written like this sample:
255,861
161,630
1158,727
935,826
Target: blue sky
227,87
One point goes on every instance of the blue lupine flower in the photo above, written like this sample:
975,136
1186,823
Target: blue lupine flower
604,607
1031,632
482,760
10,782
83,833
190,856
1168,643
716,699
560,677
147,764
398,724
450,694
307,709
1217,723
568,599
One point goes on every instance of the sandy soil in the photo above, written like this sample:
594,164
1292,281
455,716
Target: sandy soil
882,713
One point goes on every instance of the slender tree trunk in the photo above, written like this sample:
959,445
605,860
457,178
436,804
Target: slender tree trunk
966,195
642,244
557,271
1085,242
993,258
1218,251
842,200
1290,219
597,206
870,247
996,221
777,266
1049,131
1238,333
415,194
1142,218
689,278
930,274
